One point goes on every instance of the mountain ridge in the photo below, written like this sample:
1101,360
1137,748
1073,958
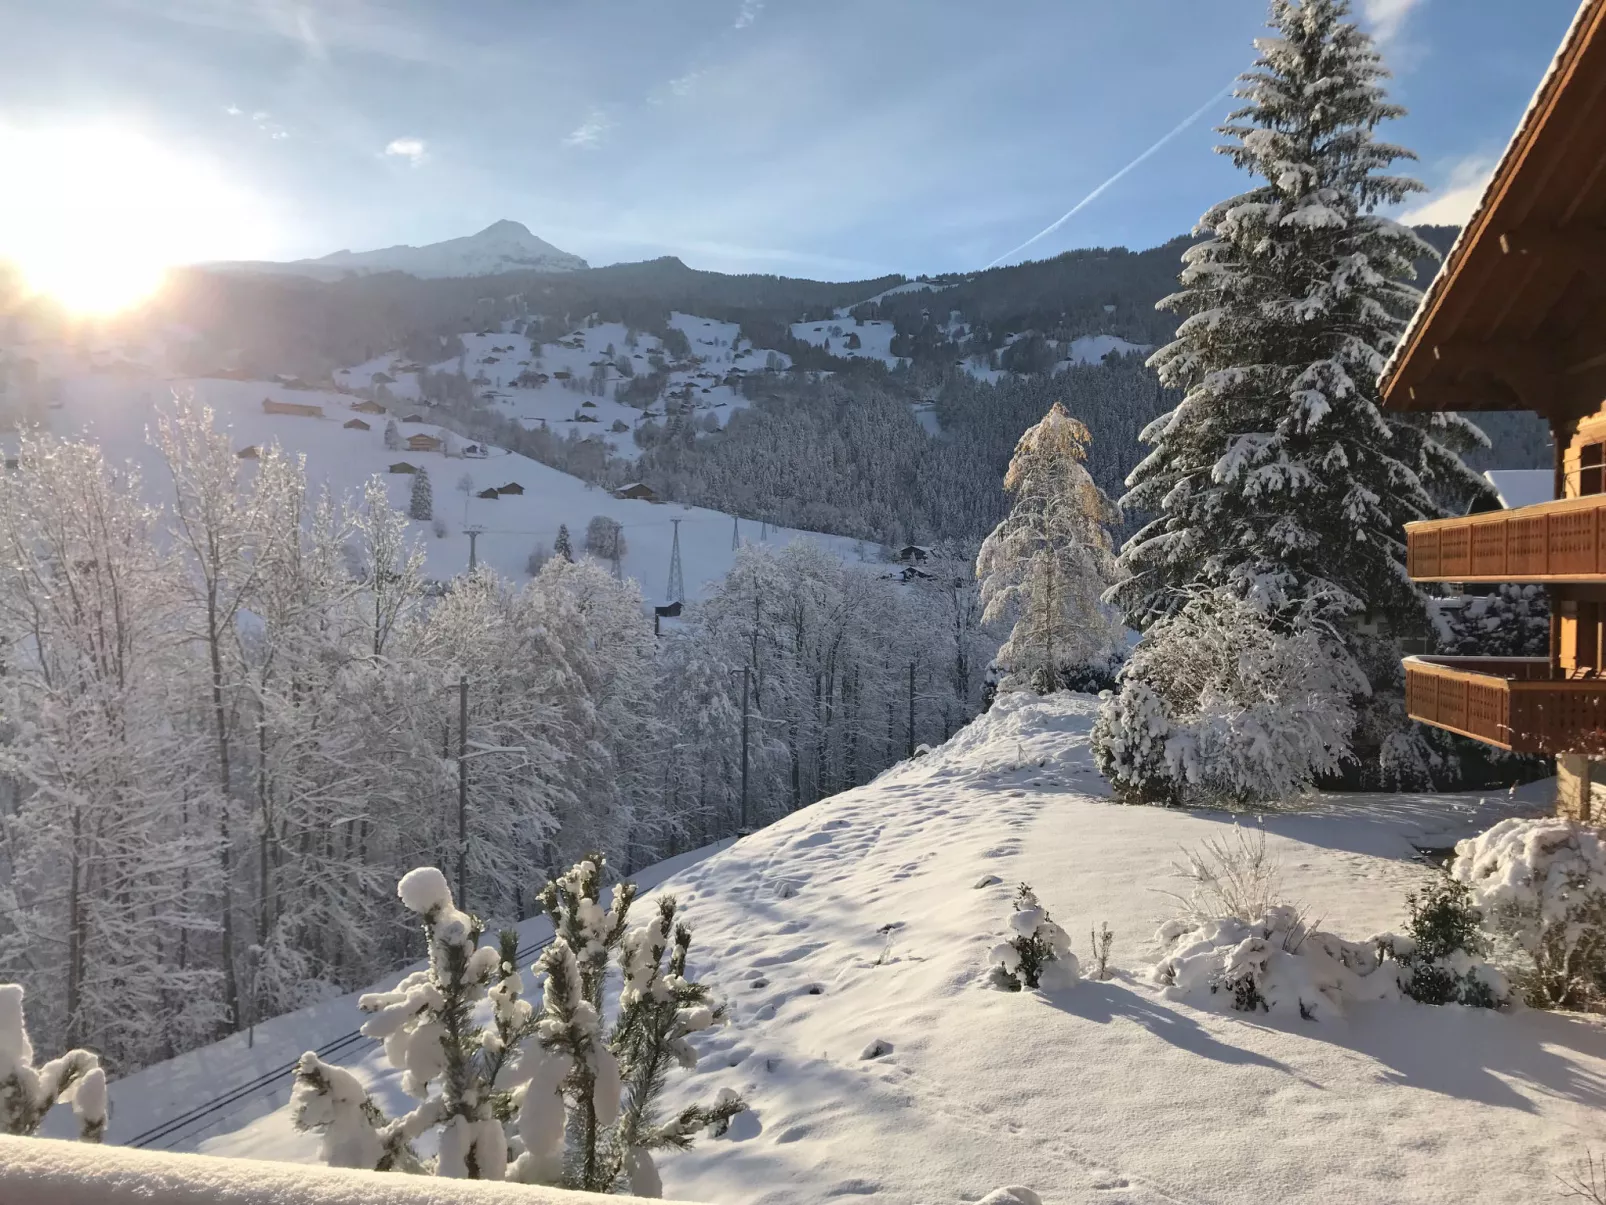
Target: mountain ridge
503,246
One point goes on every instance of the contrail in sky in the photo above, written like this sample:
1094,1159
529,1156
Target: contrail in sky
1097,192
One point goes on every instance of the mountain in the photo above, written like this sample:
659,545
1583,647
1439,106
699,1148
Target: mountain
503,246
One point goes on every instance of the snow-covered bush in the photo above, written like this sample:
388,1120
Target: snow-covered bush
538,1095
1275,963
1235,876
1439,957
1038,954
1541,887
1232,697
27,1092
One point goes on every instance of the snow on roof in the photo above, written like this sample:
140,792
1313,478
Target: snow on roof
1522,487
1508,158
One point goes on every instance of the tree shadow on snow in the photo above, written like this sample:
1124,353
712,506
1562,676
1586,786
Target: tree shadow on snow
1475,1054
1103,1001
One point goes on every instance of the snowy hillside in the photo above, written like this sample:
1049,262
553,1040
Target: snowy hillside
118,409
850,940
503,246
572,383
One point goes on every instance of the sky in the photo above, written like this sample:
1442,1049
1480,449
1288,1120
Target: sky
834,139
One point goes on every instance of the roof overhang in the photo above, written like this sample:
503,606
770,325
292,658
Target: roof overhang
1516,318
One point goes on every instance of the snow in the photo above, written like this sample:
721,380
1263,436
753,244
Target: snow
1522,487
39,1171
246,1075
117,411
424,889
853,924
913,286
503,246
875,338
1090,349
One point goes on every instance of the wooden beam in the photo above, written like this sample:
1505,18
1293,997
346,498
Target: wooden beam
1581,247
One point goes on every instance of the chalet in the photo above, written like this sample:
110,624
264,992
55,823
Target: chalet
250,453
414,418
669,610
1516,319
913,554
299,409
368,408
425,443
475,451
512,487
638,491
357,424
490,495
401,466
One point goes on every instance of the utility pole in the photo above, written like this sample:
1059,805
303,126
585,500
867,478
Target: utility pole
473,534
911,709
747,678
677,581
462,792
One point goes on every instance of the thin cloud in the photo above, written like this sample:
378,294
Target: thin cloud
1453,203
590,132
748,13
414,150
1387,17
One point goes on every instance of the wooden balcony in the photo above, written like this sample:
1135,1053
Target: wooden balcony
1517,703
1561,541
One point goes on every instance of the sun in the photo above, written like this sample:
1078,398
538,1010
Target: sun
95,215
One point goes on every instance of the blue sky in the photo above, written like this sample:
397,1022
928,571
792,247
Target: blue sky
826,138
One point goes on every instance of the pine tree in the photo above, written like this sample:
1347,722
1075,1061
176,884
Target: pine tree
392,435
422,504
27,1092
561,546
1050,561
1278,478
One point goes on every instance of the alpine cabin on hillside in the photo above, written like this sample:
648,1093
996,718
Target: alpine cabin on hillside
1516,320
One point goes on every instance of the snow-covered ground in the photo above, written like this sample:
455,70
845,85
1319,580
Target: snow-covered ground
118,409
874,339
861,924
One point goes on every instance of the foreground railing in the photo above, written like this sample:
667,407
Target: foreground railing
42,1171
1516,703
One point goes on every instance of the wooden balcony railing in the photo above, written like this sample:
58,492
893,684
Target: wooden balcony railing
1561,541
1513,702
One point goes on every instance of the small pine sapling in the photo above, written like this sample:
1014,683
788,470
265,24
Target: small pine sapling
1038,944
27,1092
1439,954
1103,938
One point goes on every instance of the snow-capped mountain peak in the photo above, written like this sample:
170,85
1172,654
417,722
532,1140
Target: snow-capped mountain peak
503,246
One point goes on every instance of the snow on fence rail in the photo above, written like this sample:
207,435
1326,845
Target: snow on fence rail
42,1171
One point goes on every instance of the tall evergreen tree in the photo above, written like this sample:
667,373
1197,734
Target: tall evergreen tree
561,545
422,505
1278,478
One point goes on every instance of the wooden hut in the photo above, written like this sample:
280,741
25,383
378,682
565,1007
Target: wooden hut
1516,319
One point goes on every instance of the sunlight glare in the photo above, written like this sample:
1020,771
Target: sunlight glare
95,215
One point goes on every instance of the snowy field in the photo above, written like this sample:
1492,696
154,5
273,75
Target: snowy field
862,923
117,410
875,339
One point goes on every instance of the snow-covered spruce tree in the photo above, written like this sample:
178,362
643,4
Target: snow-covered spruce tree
561,546
422,503
1278,477
27,1092
539,1095
1038,951
1047,565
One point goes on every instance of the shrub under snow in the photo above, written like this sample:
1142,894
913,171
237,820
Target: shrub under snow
1541,887
27,1092
1038,954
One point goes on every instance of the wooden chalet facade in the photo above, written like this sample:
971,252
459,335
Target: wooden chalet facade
1516,320
299,409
